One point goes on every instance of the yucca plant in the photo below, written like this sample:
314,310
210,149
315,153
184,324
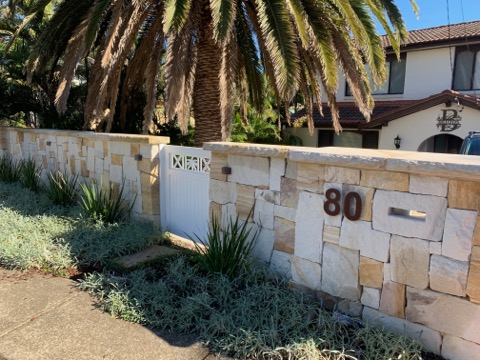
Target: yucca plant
62,188
30,175
226,249
10,169
105,205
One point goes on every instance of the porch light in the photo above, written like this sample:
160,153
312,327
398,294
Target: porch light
396,142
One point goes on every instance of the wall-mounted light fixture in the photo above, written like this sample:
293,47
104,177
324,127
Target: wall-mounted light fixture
138,157
396,142
226,170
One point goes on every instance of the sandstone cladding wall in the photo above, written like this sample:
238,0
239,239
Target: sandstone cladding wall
410,261
111,159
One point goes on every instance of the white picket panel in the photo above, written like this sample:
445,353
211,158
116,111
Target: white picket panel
184,190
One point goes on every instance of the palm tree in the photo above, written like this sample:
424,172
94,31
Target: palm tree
216,50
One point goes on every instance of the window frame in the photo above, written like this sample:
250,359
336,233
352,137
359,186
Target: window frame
475,49
389,59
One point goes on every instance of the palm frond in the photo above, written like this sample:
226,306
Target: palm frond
223,15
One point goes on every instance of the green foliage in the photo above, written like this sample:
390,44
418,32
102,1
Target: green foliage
10,169
226,250
31,175
61,188
35,234
105,205
252,315
172,130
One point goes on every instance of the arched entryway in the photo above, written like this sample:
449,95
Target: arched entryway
442,143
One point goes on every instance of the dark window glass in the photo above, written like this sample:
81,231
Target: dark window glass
467,69
325,138
370,140
395,83
397,76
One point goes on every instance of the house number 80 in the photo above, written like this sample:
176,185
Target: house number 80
332,205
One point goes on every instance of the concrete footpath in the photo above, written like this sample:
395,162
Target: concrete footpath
45,317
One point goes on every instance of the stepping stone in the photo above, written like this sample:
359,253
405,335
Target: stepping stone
146,255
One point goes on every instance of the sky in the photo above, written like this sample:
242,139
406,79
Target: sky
434,12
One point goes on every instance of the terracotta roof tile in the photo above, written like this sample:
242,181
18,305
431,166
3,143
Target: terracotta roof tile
440,34
350,116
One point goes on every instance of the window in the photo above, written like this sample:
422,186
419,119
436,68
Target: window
466,75
368,139
395,82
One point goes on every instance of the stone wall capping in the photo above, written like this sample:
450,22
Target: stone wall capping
129,138
273,151
418,163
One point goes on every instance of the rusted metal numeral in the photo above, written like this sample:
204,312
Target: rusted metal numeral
333,196
347,206
332,204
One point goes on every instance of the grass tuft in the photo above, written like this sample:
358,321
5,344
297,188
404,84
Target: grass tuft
10,169
226,249
105,205
61,188
30,175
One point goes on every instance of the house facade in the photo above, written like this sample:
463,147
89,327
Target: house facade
430,101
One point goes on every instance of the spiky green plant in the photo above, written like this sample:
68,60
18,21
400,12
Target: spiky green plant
61,188
10,169
106,205
30,175
226,248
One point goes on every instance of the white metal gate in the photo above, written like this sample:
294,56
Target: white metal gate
184,190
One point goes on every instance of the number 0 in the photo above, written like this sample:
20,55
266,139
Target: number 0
347,206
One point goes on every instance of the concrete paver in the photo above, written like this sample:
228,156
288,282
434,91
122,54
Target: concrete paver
44,317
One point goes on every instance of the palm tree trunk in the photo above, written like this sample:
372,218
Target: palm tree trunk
206,92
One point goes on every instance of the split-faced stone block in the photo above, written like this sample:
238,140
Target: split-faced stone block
473,282
340,272
445,313
215,211
371,272
280,264
310,177
410,261
428,185
397,213
289,192
331,234
309,227
284,235
458,234
430,339
245,200
359,235
150,166
342,175
448,276
249,170
222,192
435,248
291,170
119,148
306,272
385,180
217,162
392,300
366,196
285,212
371,297
476,233
263,247
464,195
263,214
130,168
147,151
277,171
456,348
270,196
116,173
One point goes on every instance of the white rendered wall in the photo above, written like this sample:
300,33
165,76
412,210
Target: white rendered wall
414,129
